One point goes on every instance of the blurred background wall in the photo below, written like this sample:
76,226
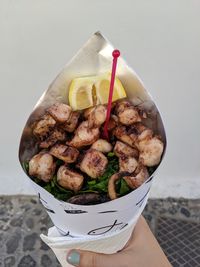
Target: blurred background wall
159,39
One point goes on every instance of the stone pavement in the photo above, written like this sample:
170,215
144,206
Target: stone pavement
175,222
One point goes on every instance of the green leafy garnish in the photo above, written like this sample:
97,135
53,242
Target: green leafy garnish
58,191
124,188
111,154
25,166
99,185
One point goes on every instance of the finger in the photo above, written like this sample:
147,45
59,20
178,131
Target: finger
136,231
82,258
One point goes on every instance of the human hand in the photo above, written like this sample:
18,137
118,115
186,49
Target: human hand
142,250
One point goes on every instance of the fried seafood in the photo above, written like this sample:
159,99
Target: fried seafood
69,179
42,166
66,153
94,163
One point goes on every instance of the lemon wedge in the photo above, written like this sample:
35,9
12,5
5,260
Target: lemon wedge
85,92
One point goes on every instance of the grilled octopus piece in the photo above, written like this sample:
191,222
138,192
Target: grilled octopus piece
66,153
71,124
102,146
69,179
97,116
60,112
42,166
55,135
42,127
137,178
84,136
127,113
94,163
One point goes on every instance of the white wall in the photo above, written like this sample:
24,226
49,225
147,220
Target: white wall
159,39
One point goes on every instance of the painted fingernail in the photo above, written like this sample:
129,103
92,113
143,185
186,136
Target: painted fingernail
73,258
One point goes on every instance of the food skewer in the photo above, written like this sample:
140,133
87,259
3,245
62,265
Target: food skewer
115,54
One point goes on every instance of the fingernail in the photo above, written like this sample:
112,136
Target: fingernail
74,258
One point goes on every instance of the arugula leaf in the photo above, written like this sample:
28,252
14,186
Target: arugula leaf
92,182
58,191
87,191
124,188
111,154
101,184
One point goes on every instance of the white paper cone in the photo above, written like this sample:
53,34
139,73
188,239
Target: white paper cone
78,221
108,244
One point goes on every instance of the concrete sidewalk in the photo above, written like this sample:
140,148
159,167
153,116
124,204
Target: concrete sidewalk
175,222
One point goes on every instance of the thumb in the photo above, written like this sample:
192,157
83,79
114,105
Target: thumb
83,258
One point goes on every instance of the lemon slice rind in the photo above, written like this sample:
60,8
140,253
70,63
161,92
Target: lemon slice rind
85,92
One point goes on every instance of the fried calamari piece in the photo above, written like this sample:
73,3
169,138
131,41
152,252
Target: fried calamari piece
94,163
60,112
42,166
66,153
69,179
84,136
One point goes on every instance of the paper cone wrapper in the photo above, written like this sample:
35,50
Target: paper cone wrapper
103,244
71,220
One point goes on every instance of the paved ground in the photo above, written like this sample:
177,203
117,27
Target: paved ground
175,222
